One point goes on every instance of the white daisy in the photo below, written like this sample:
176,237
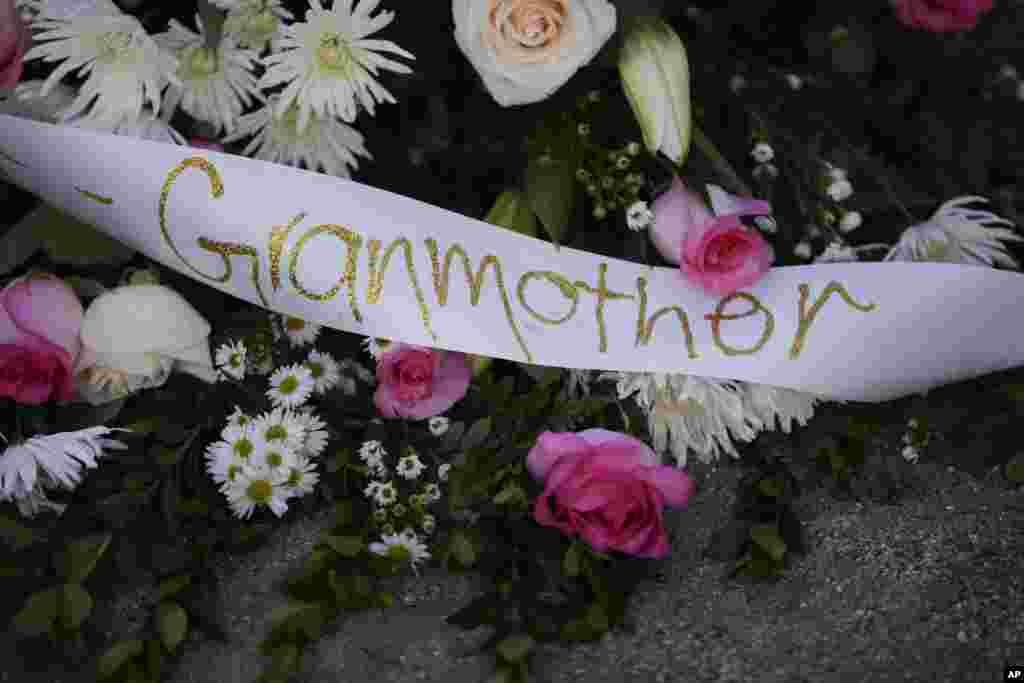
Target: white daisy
217,83
325,370
957,235
255,486
638,216
302,477
410,467
239,418
274,456
290,386
280,425
221,463
385,494
231,359
686,412
242,440
124,64
52,460
442,471
438,425
428,524
254,23
431,493
403,547
764,404
328,62
376,346
315,435
299,332
326,144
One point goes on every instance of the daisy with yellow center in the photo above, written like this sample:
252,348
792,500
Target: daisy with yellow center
256,486
280,425
230,359
325,370
290,386
403,547
328,62
302,477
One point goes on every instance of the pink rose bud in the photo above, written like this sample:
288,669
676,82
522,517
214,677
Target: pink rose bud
941,15
420,382
40,320
608,488
15,39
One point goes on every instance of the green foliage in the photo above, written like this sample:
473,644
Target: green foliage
15,535
514,649
117,657
39,612
80,557
172,622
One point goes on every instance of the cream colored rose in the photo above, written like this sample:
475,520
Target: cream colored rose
524,50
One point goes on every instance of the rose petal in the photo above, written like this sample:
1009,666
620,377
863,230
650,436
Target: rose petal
674,485
550,447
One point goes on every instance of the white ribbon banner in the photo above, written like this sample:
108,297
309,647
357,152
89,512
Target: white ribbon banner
363,260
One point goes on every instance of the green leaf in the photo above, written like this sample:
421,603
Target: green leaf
117,656
511,494
154,659
385,600
551,193
81,556
39,612
76,604
475,613
512,211
18,537
477,434
284,662
515,648
173,585
575,630
463,548
172,622
343,513
145,425
572,561
165,456
1015,472
346,546
68,240
766,536
772,487
597,619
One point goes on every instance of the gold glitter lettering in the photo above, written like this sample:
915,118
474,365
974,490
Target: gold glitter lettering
563,284
717,317
93,196
807,317
603,295
352,242
645,327
278,236
226,249
475,281
376,281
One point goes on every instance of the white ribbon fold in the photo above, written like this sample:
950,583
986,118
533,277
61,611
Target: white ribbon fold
314,246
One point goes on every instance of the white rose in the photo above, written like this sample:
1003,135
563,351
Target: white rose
524,50
133,336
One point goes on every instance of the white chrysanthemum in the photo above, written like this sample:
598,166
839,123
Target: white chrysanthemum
125,66
302,477
410,466
839,190
326,144
327,62
957,235
290,386
275,456
686,412
765,404
438,425
316,436
372,450
145,126
53,460
230,358
216,83
442,471
280,425
242,440
222,463
299,332
325,370
254,23
638,216
402,547
578,383
254,486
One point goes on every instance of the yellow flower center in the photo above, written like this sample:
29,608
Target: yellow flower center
294,324
200,63
274,459
233,471
399,553
334,55
276,433
260,491
243,448
316,369
288,385
294,477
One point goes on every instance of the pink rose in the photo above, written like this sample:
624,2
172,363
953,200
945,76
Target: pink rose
607,487
203,143
941,15
15,39
419,382
713,250
40,320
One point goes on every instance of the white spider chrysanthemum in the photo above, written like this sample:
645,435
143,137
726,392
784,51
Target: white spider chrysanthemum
52,460
216,83
230,358
410,467
836,252
376,346
404,547
125,66
242,441
957,235
766,404
316,436
686,412
145,126
327,61
290,386
326,144
254,486
280,425
578,383
254,23
302,477
325,370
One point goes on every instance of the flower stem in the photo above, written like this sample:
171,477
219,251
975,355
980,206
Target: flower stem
719,163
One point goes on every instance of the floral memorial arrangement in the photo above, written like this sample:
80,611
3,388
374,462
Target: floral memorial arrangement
199,332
